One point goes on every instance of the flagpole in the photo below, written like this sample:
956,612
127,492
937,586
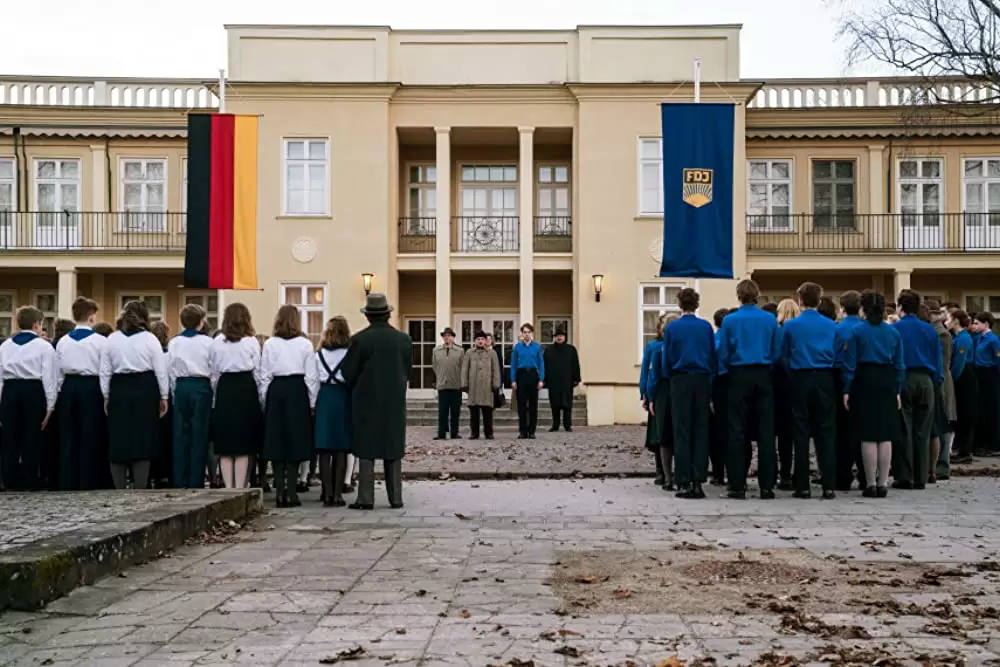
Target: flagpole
697,100
220,295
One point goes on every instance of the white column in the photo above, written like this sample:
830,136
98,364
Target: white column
67,291
526,212
442,264
901,281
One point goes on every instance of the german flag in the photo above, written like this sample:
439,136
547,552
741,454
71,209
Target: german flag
221,248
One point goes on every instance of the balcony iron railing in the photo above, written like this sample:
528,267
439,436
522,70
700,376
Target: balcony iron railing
553,234
417,235
78,231
486,234
874,233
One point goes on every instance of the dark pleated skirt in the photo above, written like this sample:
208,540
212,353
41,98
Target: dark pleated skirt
333,418
652,435
664,425
874,413
133,417
237,420
288,424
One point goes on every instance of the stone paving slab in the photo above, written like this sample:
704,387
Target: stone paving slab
462,576
52,542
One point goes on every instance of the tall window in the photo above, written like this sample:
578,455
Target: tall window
833,194
207,300
769,195
553,200
154,303
311,302
547,327
422,199
306,166
920,191
650,176
6,313
489,209
424,337
143,198
982,191
57,196
978,303
655,300
8,195
48,303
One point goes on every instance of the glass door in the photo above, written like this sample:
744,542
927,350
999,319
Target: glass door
424,340
504,333
57,194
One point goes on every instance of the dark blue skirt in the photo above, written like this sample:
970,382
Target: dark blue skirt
333,419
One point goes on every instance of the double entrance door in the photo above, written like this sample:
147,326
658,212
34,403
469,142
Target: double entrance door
503,329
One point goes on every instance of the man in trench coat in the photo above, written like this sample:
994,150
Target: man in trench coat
377,368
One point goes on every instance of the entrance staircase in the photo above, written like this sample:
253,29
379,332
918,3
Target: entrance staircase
423,412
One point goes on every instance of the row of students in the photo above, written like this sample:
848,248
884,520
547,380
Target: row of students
853,388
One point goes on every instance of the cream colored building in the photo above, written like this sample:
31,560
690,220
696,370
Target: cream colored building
484,178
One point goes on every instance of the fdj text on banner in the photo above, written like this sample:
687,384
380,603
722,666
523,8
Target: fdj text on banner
698,146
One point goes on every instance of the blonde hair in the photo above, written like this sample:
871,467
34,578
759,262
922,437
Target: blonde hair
787,310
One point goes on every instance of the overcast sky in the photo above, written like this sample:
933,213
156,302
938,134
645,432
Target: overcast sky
186,38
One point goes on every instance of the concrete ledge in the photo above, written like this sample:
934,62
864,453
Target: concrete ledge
38,572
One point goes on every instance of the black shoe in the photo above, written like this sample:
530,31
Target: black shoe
802,495
553,429
697,492
786,485
881,491
767,494
568,429
489,437
669,486
330,502
683,491
902,485
531,436
717,481
280,502
455,436
829,494
522,436
302,487
870,492
396,506
439,437
265,488
659,480
473,437
359,506
919,487
293,502
732,494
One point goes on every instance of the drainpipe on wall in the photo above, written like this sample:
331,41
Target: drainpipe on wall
107,168
888,180
22,169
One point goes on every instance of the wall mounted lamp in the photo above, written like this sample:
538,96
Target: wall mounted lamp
367,280
598,286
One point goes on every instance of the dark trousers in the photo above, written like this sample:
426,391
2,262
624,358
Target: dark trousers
967,409
22,411
690,397
475,411
719,428
192,418
911,460
848,446
393,471
80,412
751,393
566,415
527,400
449,410
987,431
814,415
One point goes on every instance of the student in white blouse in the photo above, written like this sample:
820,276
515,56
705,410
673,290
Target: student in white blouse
333,409
81,404
288,401
189,366
29,384
135,386
238,419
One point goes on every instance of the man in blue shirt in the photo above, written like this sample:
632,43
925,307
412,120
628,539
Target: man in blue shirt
848,447
808,350
922,354
527,373
689,361
987,362
748,346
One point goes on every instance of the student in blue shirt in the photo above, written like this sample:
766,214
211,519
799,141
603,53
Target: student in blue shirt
718,436
848,448
658,391
922,354
963,372
748,347
527,373
645,388
987,361
808,349
872,376
689,361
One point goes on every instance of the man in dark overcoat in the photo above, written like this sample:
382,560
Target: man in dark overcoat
377,369
562,375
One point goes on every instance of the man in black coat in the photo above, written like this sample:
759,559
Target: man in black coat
562,375
377,369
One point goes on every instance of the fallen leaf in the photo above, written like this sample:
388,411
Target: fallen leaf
622,593
586,579
463,517
355,653
464,613
672,661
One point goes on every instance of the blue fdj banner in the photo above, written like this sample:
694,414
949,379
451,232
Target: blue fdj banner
697,190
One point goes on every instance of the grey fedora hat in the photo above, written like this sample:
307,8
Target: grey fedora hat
376,304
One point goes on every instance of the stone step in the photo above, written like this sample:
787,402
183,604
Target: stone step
501,415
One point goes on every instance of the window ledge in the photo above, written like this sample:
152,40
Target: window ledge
304,216
649,216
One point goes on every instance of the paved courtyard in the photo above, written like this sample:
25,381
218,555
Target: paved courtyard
555,572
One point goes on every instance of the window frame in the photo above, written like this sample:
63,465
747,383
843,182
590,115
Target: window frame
415,226
12,182
971,217
770,183
553,185
640,160
555,319
305,307
5,315
204,294
920,182
834,181
142,296
52,315
327,181
58,181
659,308
489,185
986,296
144,215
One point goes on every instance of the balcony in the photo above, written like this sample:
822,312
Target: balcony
109,92
417,235
554,234
100,232
485,234
874,233
865,92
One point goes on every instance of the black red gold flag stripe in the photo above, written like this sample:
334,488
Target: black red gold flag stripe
221,251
